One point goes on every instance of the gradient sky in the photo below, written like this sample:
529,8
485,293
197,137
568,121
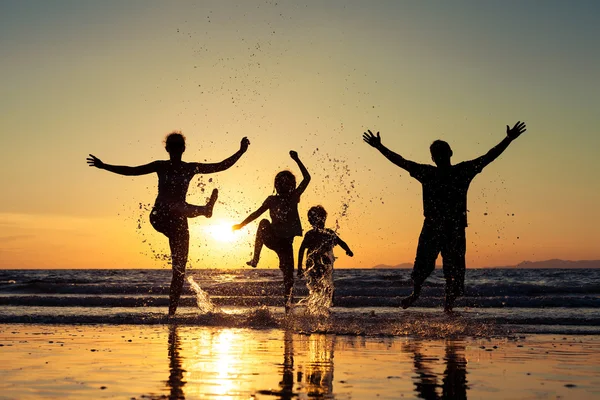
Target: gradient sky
112,78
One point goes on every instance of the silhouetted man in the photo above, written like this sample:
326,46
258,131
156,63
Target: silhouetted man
445,209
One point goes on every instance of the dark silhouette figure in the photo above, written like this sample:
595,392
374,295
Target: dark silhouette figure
171,211
454,382
279,234
318,243
445,209
176,372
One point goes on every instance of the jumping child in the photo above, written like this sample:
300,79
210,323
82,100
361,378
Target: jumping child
319,243
171,211
278,234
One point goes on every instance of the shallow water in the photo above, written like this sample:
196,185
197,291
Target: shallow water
497,300
176,362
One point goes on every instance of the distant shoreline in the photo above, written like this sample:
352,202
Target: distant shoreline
547,264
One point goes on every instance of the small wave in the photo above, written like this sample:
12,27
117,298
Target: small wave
276,300
367,324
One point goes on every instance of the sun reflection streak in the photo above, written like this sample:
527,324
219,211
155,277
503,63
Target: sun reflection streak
219,361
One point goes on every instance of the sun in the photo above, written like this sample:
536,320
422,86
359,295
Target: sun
221,231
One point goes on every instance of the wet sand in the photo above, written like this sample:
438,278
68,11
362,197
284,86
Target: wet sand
162,361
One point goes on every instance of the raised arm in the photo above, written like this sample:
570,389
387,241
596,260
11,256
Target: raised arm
226,163
253,216
375,141
511,134
305,175
122,169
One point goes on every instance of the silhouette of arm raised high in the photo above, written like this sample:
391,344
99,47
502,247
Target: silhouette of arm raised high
395,158
511,134
305,175
123,169
201,168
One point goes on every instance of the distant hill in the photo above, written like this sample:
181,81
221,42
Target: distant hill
554,263
399,266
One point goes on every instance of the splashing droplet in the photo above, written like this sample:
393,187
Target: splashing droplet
203,300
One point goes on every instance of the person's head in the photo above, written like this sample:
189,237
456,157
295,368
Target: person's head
285,182
440,153
317,216
175,143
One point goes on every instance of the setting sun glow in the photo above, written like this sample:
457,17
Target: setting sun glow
221,231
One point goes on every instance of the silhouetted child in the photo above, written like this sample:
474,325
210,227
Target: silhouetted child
278,234
171,211
318,244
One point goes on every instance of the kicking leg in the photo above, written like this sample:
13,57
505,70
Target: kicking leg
192,211
263,234
427,252
179,243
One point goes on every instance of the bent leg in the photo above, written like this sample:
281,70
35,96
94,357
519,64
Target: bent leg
192,211
453,253
179,243
263,236
427,252
160,220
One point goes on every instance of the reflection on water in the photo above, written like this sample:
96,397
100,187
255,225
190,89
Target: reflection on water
176,380
287,382
455,376
162,362
228,364
319,369
454,380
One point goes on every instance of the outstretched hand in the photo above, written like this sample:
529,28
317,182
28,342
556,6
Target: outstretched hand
516,130
94,161
350,253
371,139
237,227
294,155
244,144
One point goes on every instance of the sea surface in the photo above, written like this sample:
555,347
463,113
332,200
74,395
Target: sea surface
366,300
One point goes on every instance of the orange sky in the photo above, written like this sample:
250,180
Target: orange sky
113,79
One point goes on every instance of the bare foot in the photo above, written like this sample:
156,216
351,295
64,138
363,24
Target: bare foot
408,301
252,263
449,304
211,203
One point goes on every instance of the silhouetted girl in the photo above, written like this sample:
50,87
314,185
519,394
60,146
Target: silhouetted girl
171,211
278,234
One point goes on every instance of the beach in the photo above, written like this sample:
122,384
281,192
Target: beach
81,334
176,362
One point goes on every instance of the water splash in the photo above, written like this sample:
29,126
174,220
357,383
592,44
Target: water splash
320,293
260,317
203,300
